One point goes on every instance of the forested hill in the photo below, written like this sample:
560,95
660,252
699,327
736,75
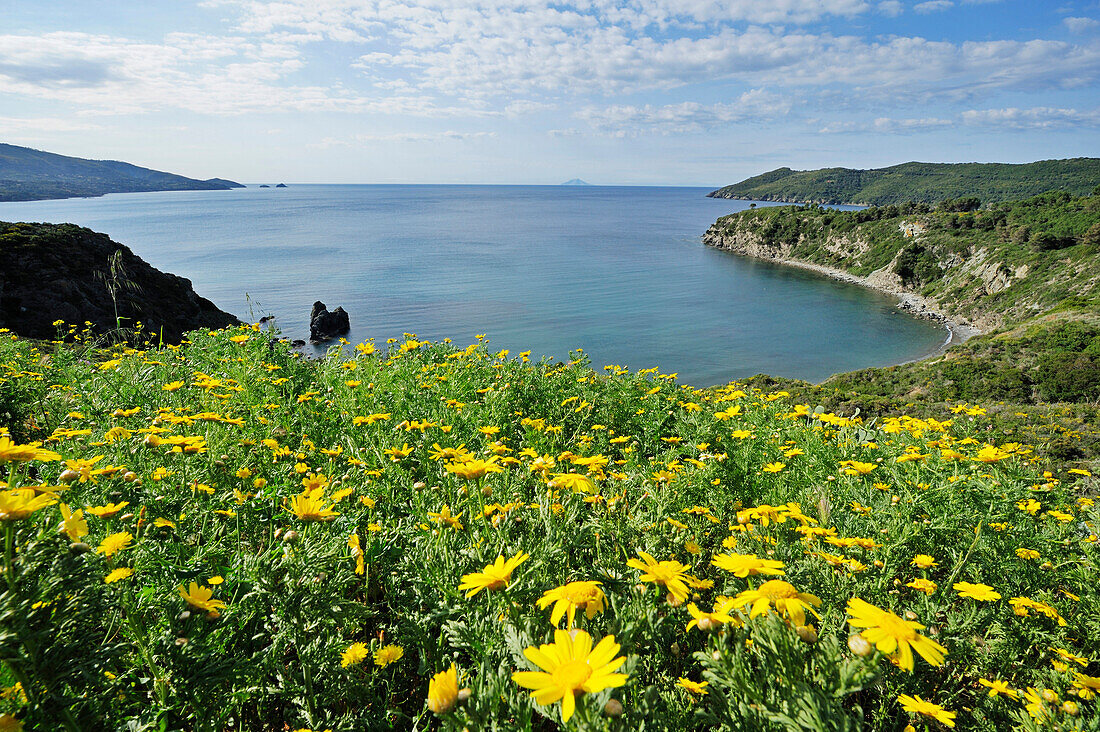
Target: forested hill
31,175
921,182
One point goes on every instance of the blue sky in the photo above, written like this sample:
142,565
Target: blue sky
647,92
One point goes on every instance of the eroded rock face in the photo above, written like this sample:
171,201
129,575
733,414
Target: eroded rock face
325,325
51,272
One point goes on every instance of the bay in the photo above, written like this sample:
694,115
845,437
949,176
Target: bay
619,272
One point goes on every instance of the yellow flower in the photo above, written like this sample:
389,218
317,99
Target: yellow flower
355,654
570,597
997,686
172,385
10,452
787,600
73,523
115,543
984,593
18,504
443,691
8,723
474,469
892,635
357,552
924,585
386,655
495,577
670,574
201,598
773,467
118,574
311,506
699,688
744,565
399,453
573,482
570,665
916,705
446,518
109,510
923,561
855,467
1023,553
238,338
712,620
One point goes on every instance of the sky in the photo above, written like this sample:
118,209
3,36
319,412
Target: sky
637,92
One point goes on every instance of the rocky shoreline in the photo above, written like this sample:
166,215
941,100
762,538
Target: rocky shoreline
959,331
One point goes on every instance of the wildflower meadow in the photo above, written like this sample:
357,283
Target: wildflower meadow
224,535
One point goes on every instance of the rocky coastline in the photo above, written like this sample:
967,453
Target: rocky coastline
64,272
750,245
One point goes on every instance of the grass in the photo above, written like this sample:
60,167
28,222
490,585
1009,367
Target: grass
336,506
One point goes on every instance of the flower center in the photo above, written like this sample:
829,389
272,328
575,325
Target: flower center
572,674
778,590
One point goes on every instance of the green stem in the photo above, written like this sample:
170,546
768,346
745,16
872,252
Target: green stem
9,554
160,686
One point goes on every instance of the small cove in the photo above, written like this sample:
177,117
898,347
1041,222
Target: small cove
617,271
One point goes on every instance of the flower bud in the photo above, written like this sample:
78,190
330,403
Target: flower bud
464,694
859,646
79,547
68,475
807,633
1071,708
1049,696
290,537
675,649
613,708
129,476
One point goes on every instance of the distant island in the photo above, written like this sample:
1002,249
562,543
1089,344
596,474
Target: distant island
919,182
32,175
576,182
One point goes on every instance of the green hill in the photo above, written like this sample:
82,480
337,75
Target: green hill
31,175
925,182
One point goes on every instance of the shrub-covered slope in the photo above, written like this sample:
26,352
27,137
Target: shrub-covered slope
389,538
925,182
29,175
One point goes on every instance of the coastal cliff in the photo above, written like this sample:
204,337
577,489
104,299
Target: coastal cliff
977,268
51,272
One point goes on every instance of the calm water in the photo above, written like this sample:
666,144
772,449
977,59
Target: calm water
619,272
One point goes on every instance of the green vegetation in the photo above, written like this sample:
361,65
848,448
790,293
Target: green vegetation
225,536
1025,269
924,182
30,175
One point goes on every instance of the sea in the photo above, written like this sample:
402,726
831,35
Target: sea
618,272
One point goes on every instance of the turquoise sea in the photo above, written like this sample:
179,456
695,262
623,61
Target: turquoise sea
617,271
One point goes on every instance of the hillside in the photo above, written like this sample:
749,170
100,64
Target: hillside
30,175
922,182
225,536
1025,272
63,272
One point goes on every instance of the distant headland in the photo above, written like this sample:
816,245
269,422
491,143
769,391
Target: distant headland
32,175
576,182
919,182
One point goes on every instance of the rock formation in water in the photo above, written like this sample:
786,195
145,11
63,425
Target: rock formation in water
325,325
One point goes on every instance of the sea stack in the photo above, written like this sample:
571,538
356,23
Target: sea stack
325,325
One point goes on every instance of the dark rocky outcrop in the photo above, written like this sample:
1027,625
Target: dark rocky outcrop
325,325
51,272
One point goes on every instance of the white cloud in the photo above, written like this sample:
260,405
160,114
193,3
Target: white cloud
1080,25
891,8
1035,118
933,6
889,125
17,125
401,137
686,117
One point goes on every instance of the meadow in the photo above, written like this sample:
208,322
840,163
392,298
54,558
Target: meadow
223,535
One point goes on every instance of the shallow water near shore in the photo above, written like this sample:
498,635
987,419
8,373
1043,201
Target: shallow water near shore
617,271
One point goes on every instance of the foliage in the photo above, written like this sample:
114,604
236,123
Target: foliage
259,527
927,182
29,175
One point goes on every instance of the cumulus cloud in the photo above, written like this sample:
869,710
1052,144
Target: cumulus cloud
401,137
687,117
1080,25
1035,118
933,6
